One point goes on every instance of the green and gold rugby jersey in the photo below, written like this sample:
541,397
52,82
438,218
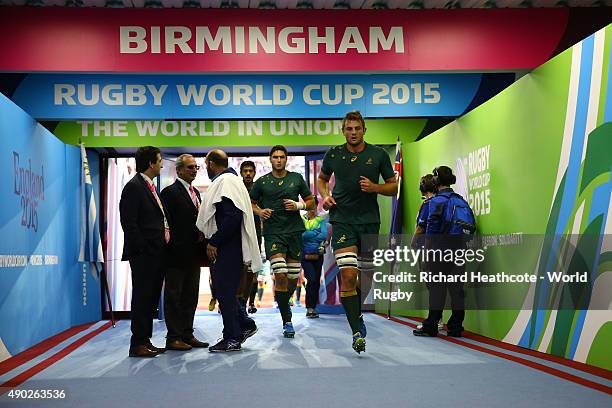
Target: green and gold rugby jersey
269,192
353,206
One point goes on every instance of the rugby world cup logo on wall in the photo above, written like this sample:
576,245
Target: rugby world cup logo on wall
474,178
29,186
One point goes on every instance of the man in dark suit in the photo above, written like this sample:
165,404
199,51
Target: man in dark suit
147,233
187,253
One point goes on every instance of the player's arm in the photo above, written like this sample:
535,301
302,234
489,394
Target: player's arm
388,188
256,195
255,207
264,213
307,197
323,188
323,185
291,205
310,203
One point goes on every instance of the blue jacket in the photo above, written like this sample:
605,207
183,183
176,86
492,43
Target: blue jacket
423,213
316,232
437,207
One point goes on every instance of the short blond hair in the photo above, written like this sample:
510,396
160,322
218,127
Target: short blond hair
353,115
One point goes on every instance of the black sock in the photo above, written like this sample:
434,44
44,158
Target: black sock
291,288
353,311
282,299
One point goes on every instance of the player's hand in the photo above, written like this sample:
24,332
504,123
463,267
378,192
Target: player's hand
211,251
290,205
266,213
366,185
329,202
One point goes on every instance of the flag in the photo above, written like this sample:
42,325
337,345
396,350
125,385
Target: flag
396,205
91,245
396,218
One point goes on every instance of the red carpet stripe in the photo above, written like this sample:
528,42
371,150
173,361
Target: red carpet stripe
40,348
576,365
21,378
532,364
597,371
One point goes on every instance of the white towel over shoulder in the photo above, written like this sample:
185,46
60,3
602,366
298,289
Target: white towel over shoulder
231,186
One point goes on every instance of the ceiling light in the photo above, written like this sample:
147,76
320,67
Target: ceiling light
342,5
267,5
153,4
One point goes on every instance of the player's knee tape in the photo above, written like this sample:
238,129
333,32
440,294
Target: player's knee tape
346,260
293,270
278,265
365,264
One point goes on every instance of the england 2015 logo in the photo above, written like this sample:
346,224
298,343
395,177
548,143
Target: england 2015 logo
30,187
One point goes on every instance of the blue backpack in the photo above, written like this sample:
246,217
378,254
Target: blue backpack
458,216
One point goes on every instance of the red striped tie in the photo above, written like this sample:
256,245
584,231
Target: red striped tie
194,197
161,206
196,202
